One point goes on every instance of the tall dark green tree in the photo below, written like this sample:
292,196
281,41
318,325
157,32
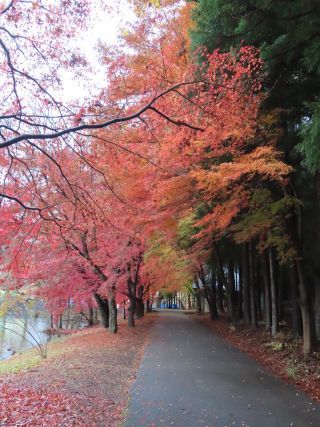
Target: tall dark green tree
288,35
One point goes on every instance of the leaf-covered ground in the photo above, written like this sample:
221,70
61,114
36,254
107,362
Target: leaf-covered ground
281,355
85,383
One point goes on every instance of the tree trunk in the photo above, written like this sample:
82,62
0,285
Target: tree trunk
273,292
213,298
198,296
306,312
103,306
113,312
95,316
245,285
253,312
140,303
90,316
220,296
148,306
294,295
231,293
267,299
131,311
239,307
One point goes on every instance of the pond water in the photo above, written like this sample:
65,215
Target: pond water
25,327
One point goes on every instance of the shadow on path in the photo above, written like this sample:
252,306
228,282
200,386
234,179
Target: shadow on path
190,377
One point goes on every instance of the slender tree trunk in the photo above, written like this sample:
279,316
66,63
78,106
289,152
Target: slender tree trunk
253,312
198,296
231,293
294,294
245,285
213,297
124,311
60,322
273,292
220,296
103,306
240,300
267,298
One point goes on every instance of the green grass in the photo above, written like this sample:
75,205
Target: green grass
20,362
31,358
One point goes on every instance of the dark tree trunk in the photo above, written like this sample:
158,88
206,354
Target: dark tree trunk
239,308
306,312
139,308
273,293
231,292
131,312
90,317
257,282
267,298
140,303
95,316
197,295
220,296
113,312
253,311
124,311
294,295
148,306
213,298
245,285
103,306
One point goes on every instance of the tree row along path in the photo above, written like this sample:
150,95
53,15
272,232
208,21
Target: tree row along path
191,377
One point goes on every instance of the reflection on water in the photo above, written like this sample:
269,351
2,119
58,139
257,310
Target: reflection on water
24,322
24,326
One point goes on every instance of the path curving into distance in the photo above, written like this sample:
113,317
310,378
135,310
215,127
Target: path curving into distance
190,377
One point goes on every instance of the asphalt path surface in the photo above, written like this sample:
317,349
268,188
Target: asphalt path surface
190,377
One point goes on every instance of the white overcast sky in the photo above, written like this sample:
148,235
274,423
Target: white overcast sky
104,26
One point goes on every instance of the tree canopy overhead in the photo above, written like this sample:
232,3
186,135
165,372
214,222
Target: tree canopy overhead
185,169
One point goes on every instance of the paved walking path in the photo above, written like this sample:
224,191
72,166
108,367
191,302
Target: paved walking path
192,378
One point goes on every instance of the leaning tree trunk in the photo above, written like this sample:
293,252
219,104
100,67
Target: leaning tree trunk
103,306
273,292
